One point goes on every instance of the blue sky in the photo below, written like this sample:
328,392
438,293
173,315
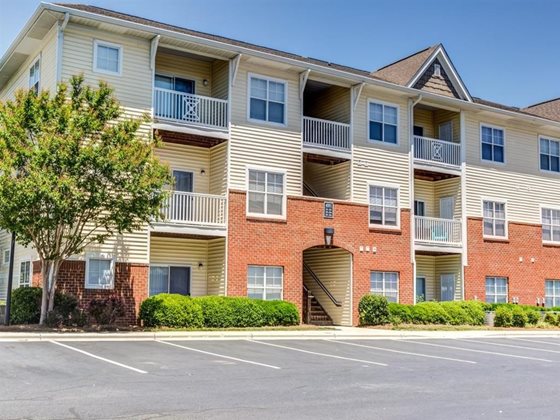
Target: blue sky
505,50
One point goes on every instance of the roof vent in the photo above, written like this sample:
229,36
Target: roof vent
437,70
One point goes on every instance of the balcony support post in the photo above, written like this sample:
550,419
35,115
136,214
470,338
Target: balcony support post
356,93
233,68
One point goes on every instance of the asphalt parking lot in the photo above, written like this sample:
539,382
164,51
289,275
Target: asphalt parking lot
273,379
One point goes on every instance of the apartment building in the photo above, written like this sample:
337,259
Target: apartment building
305,180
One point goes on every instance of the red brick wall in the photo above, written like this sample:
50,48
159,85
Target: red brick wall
501,258
269,242
131,285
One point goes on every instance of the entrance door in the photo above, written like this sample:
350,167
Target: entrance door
447,287
172,105
420,289
180,280
182,204
418,131
446,131
446,205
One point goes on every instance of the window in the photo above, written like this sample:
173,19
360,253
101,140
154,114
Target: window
267,100
383,206
6,256
385,284
550,155
265,193
492,140
170,279
437,70
35,76
99,273
494,214
107,58
551,225
25,274
496,290
419,208
446,131
552,293
383,122
264,282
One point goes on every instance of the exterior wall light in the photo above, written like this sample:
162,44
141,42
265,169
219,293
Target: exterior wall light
329,235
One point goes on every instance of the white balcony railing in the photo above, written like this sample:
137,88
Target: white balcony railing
195,209
432,230
437,151
326,134
190,109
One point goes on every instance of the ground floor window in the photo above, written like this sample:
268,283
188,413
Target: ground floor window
496,290
385,284
264,282
25,274
99,273
552,293
170,279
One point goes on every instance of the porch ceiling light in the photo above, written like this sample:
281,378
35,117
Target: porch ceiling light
329,235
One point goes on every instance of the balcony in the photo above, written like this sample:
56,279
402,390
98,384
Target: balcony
326,135
188,109
435,231
437,152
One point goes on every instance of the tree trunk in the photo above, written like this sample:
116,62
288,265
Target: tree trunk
54,275
45,272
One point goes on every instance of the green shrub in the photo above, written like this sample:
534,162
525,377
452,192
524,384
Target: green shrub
551,318
231,312
279,313
533,317
373,310
171,310
456,313
399,313
65,304
519,317
106,311
429,313
503,317
475,311
26,305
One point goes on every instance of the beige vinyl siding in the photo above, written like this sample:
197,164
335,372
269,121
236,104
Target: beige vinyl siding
328,181
128,247
426,267
218,169
183,252
190,159
261,143
334,268
216,267
449,264
46,50
21,253
331,104
374,161
443,116
448,188
425,118
519,181
220,79
424,191
170,64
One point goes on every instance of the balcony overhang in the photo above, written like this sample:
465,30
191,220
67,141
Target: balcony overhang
427,173
430,248
187,231
191,136
325,156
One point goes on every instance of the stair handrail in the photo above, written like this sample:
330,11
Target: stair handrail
321,285
310,189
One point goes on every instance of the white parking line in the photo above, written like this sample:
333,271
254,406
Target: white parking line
535,341
479,351
510,345
404,352
369,362
218,355
98,357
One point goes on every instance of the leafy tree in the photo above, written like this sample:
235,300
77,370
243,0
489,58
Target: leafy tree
73,172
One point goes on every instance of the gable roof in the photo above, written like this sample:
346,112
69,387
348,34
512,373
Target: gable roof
548,109
402,71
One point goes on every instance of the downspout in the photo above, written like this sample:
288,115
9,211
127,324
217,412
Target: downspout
59,45
411,105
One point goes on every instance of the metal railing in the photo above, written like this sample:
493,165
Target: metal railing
326,134
321,285
191,109
437,231
437,151
194,208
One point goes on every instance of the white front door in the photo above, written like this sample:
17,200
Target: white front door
447,287
446,205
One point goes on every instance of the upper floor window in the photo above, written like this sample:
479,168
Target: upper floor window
550,155
264,282
550,225
25,274
383,122
107,58
496,290
385,284
267,100
99,273
494,214
383,206
35,76
266,193
552,293
492,140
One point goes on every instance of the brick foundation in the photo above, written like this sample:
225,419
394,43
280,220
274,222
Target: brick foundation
270,242
131,285
501,258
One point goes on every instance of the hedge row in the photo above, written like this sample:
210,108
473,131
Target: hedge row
177,311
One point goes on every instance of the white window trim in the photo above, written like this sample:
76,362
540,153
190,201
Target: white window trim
284,195
264,280
450,123
6,252
489,161
37,59
554,296
383,142
416,200
97,256
98,42
269,79
24,260
385,185
192,171
500,201
495,288
371,291
168,266
545,207
546,171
